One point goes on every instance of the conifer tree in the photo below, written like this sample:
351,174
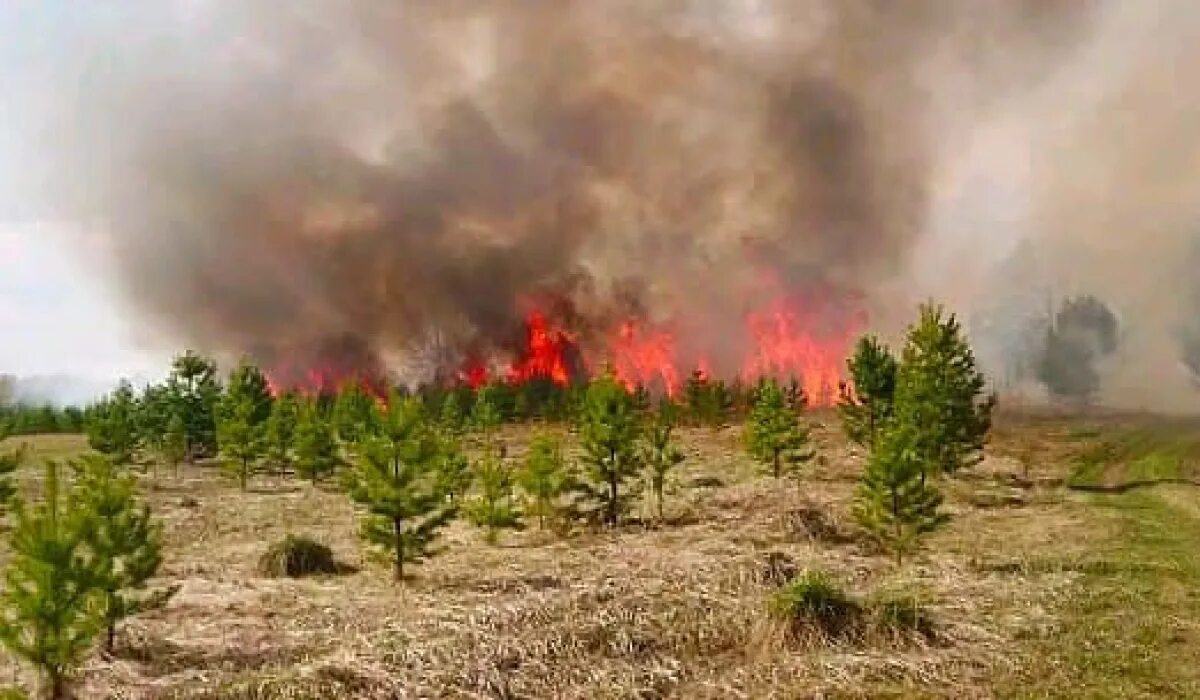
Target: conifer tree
316,450
241,438
661,454
866,402
50,611
610,431
894,503
352,412
151,417
279,433
124,541
174,443
10,461
247,384
773,434
940,394
454,474
194,393
493,508
396,479
544,477
485,415
111,425
452,415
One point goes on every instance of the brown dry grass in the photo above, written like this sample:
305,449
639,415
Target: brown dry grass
648,611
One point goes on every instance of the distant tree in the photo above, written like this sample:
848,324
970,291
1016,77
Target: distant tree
940,395
50,610
279,433
894,502
153,412
10,461
125,542
544,477
454,473
396,479
195,392
352,412
867,401
609,430
661,454
240,437
453,414
773,433
316,450
174,443
247,383
493,508
1084,332
486,416
793,395
112,425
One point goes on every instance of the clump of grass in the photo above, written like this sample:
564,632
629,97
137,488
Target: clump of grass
295,556
902,616
812,605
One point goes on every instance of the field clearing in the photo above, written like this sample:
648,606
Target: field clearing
1036,589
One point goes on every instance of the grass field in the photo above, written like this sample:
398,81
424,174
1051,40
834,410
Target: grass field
1069,569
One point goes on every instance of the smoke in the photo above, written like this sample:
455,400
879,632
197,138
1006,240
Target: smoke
293,179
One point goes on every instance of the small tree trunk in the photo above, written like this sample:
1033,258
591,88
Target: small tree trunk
658,493
58,686
110,637
398,526
242,475
777,467
611,516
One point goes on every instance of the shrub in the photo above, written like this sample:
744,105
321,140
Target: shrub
295,556
812,603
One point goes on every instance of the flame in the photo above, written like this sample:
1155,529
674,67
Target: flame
545,353
646,359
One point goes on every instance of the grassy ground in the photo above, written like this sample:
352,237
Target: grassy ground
1036,588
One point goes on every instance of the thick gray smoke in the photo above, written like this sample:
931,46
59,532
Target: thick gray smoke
385,182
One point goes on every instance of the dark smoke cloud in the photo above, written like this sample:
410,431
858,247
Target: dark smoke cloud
285,179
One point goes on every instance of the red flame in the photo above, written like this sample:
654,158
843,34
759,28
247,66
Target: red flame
645,358
321,380
545,355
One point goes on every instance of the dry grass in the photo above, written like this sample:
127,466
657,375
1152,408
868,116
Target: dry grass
651,610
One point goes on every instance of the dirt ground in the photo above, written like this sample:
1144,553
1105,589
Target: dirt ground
650,610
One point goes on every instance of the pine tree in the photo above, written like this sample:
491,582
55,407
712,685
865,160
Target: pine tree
50,611
940,394
125,543
895,503
280,431
610,431
486,415
111,425
396,479
316,450
452,415
248,384
493,508
151,417
241,439
174,443
10,461
773,434
867,401
454,473
544,477
194,393
352,412
661,455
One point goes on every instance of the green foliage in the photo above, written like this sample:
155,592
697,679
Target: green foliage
396,479
295,556
544,477
50,611
773,434
173,447
866,403
894,503
493,508
812,600
452,416
39,419
241,438
153,413
316,452
280,432
194,393
661,455
125,543
454,473
609,431
353,411
486,416
708,402
9,463
111,424
940,395
247,384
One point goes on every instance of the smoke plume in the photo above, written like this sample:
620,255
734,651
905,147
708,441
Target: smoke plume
395,184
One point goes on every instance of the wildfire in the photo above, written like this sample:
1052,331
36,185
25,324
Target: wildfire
645,358
546,353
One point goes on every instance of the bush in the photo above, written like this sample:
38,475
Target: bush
295,556
813,603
